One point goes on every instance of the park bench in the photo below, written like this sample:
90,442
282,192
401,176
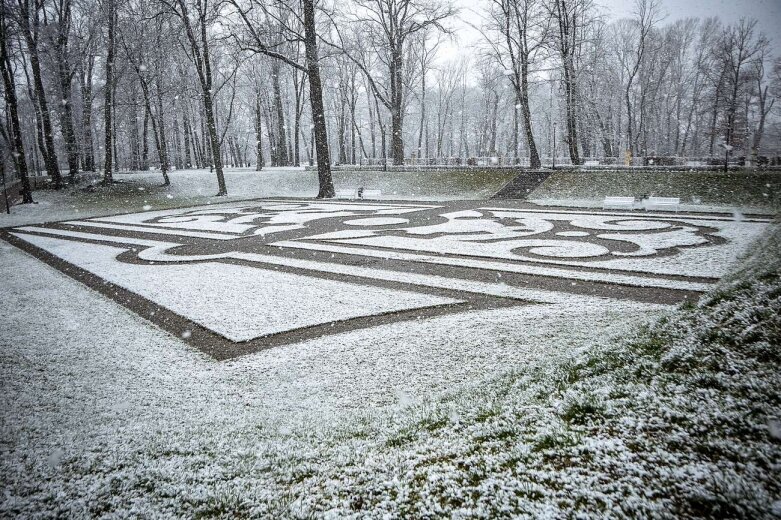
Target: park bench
662,203
591,163
618,202
359,193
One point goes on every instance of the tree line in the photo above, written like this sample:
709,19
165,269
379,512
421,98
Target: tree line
104,85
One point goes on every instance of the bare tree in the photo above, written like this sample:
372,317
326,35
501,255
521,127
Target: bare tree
9,90
742,47
108,102
523,26
305,30
570,17
28,17
139,59
389,24
636,36
60,36
196,23
765,103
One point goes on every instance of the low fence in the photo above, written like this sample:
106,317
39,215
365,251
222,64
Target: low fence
565,161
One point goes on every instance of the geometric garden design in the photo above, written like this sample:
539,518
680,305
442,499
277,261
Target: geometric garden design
235,278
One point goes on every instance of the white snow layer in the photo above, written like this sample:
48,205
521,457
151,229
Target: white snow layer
96,402
238,302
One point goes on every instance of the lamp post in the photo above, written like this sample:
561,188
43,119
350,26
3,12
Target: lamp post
727,150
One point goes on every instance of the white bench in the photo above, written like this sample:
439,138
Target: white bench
359,193
591,163
618,202
662,203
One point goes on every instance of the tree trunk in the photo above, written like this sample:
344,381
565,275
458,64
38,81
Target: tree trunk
297,121
9,85
64,79
114,132
188,162
211,126
397,106
384,137
87,148
108,99
196,142
49,152
372,129
145,139
162,143
258,134
177,139
281,142
135,136
534,155
763,112
494,122
572,127
316,98
353,124
66,119
341,127
422,110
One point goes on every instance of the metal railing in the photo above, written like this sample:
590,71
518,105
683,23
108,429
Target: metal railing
563,161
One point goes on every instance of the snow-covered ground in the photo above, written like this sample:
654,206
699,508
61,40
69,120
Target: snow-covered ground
99,407
426,418
142,191
539,409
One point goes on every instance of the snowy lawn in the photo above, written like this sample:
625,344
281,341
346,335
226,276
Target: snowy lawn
462,416
142,191
145,424
545,410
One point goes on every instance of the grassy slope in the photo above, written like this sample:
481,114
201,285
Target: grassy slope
681,420
762,189
463,184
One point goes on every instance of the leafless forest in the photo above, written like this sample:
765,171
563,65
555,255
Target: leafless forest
109,85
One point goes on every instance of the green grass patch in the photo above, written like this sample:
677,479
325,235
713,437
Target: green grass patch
754,189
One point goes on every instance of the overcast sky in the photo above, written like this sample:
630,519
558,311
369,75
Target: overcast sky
767,12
